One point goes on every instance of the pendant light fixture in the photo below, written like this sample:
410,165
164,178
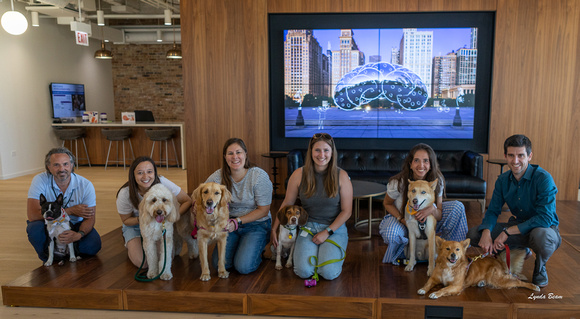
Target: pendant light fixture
103,53
175,52
167,14
14,22
34,19
100,16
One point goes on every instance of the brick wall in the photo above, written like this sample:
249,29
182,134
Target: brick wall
143,79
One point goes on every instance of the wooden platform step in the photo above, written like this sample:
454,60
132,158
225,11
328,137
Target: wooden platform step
366,288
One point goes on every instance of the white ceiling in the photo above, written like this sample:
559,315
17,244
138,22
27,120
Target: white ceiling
126,21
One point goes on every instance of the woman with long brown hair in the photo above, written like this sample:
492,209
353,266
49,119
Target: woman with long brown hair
325,192
420,164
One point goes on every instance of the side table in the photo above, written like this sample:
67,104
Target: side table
275,156
501,162
362,190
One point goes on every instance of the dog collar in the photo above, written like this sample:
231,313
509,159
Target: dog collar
291,229
63,217
411,210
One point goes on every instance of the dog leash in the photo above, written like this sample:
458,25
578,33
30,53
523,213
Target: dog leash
143,276
312,282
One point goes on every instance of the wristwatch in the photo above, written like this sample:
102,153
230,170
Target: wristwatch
239,220
82,233
330,231
505,231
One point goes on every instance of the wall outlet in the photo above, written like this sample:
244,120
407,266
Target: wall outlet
13,153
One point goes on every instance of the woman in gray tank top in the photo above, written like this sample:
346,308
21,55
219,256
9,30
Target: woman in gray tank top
325,191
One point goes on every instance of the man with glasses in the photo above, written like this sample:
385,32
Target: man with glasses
79,201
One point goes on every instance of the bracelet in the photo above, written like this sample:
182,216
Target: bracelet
505,231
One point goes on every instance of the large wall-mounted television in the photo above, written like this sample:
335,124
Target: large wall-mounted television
381,80
68,100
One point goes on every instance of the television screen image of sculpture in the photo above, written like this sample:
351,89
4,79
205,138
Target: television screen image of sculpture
376,83
381,81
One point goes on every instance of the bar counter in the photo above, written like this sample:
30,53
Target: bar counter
97,144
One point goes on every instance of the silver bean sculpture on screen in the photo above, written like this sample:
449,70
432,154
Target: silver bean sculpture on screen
381,80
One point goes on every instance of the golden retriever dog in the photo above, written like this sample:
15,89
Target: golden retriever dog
421,194
456,272
212,215
157,213
291,217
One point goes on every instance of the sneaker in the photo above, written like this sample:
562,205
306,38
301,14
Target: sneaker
540,279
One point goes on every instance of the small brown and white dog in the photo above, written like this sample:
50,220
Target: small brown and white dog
291,217
157,213
456,272
212,215
420,194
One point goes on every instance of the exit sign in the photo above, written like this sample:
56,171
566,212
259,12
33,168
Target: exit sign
82,38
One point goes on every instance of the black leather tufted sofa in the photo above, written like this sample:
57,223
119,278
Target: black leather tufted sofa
463,170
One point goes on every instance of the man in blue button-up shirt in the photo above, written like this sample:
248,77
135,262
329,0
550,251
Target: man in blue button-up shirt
530,193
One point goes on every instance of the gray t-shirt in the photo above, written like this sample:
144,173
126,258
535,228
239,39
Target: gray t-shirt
254,190
320,208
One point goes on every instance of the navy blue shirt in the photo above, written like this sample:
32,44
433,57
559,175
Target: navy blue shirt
532,200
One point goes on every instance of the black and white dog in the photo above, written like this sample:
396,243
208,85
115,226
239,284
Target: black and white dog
57,221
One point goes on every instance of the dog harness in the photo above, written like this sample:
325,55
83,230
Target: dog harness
422,226
64,218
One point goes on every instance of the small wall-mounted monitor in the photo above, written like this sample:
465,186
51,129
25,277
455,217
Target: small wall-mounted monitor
68,100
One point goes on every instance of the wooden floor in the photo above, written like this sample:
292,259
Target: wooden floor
366,288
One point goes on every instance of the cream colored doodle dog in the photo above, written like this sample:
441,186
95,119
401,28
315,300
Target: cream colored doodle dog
157,214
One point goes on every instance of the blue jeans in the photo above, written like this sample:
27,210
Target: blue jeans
325,251
38,237
244,247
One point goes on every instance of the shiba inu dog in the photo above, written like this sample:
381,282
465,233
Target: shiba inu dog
420,194
456,272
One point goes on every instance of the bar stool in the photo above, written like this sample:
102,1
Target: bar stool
163,135
73,134
118,135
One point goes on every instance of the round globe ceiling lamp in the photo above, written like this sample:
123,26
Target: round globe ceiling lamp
14,22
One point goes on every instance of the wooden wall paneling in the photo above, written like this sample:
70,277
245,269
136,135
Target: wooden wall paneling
457,5
570,169
225,81
300,6
533,88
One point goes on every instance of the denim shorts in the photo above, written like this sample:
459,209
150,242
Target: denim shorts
130,232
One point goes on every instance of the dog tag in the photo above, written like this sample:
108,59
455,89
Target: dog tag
290,236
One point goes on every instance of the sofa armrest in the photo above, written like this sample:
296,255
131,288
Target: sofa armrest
473,164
